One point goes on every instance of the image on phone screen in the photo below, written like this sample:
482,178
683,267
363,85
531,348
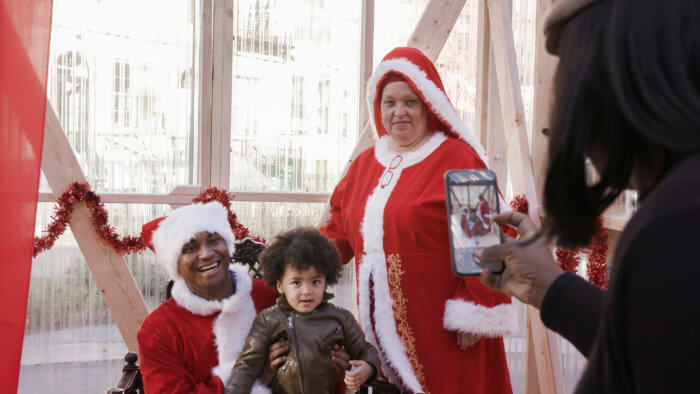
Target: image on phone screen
472,202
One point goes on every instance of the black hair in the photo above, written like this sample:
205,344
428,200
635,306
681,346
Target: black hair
301,248
627,85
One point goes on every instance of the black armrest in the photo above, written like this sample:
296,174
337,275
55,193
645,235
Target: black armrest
130,382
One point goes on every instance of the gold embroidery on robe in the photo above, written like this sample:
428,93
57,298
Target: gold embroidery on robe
405,331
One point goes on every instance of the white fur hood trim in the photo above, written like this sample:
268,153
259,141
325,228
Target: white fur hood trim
434,98
468,317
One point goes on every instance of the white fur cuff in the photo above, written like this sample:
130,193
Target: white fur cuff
468,317
223,371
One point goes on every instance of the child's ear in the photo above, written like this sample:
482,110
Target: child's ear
279,287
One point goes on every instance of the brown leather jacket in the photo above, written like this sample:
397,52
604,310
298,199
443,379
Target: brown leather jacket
308,368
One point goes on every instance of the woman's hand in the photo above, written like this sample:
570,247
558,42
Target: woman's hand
276,357
341,360
465,339
530,266
355,377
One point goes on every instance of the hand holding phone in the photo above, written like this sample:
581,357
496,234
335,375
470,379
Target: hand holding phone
472,202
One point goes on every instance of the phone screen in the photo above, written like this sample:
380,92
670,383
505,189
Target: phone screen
472,202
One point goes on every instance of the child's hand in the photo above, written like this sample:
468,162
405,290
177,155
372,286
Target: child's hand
276,356
355,377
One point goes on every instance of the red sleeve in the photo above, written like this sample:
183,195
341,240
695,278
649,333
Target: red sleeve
161,369
263,296
334,229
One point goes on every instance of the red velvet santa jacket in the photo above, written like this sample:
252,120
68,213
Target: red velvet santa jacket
189,344
393,220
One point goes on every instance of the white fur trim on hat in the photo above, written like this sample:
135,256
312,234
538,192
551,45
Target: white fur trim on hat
468,317
435,98
182,225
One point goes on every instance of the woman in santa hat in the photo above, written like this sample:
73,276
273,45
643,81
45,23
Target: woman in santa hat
190,343
437,333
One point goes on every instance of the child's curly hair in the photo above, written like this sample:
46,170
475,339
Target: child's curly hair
302,247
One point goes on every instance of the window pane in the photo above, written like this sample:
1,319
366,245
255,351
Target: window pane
295,83
124,87
71,343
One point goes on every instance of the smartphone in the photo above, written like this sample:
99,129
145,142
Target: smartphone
472,202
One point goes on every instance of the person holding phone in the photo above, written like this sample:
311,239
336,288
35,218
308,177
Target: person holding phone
627,95
436,332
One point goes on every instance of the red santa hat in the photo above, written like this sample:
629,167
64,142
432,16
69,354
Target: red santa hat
166,236
411,65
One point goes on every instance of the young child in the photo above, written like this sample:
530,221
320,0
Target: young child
300,263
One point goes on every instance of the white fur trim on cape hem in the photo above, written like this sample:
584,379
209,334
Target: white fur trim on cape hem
468,317
434,98
223,371
373,266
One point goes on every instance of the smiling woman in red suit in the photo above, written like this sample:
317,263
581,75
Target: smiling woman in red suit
437,333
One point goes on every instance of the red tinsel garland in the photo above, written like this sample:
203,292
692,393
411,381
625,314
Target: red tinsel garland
569,259
597,254
214,194
78,192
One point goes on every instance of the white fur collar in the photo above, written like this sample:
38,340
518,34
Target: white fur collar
200,306
384,153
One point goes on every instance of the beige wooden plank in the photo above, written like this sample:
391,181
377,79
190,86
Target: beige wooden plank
547,357
431,42
435,25
489,121
117,285
503,48
205,95
532,385
545,66
366,59
217,91
496,146
615,222
226,94
483,54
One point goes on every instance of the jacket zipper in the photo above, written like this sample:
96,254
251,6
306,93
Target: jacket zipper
299,355
330,334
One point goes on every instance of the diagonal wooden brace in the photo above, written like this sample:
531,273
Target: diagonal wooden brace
117,285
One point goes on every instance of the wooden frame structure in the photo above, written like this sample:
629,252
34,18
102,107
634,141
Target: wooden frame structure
500,128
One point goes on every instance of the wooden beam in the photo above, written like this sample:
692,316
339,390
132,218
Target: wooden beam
545,366
545,66
366,59
429,40
435,26
117,285
489,119
503,47
483,53
222,90
205,94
